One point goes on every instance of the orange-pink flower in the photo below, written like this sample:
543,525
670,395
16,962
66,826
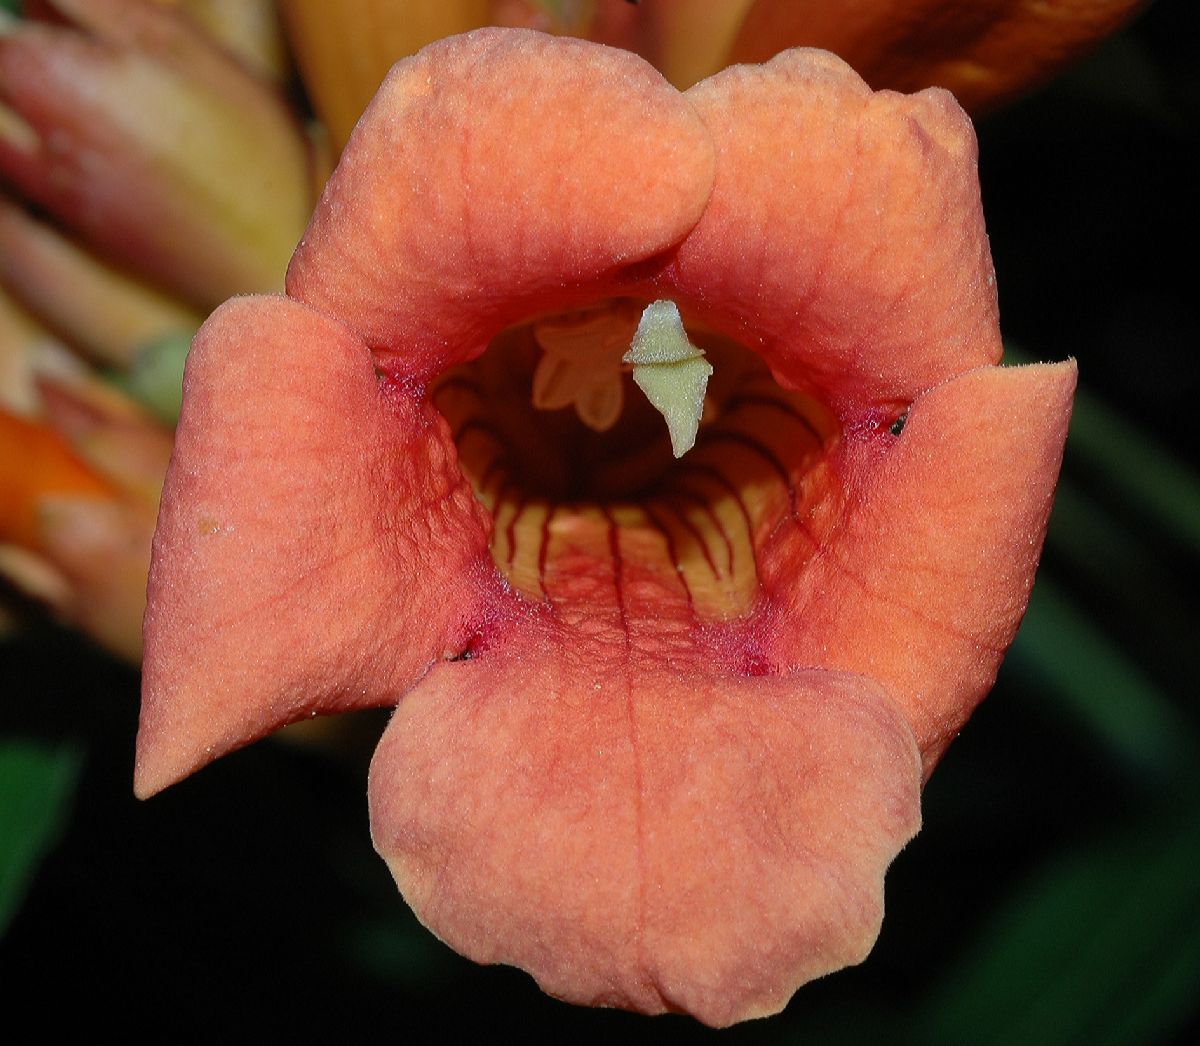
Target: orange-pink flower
662,723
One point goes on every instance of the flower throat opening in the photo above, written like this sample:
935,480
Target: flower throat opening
578,467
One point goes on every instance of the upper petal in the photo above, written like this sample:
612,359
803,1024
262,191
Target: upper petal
316,548
493,175
844,238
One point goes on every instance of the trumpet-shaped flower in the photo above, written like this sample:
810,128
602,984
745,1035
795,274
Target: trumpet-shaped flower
661,723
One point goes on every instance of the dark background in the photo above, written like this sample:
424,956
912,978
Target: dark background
1054,892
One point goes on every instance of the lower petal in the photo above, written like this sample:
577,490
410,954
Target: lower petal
636,833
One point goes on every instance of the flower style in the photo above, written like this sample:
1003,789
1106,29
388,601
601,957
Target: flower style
661,723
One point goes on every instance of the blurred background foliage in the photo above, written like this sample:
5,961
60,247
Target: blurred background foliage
1053,895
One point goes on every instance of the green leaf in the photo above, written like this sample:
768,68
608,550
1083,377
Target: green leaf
1098,684
37,783
156,375
1102,947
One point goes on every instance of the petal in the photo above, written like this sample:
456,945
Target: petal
986,53
447,219
924,580
644,836
111,432
249,29
25,348
35,463
844,238
317,546
103,550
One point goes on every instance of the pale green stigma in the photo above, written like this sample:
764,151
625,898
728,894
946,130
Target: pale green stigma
582,364
671,371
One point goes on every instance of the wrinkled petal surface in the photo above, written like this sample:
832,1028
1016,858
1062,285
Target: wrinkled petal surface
447,219
923,579
645,836
844,238
313,522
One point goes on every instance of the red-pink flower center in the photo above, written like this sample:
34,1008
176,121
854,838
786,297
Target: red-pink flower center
563,496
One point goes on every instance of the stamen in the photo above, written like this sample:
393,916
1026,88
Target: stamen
671,371
581,365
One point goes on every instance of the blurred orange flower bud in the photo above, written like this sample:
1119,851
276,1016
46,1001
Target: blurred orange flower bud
248,28
26,349
986,53
71,536
141,134
97,307
345,50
